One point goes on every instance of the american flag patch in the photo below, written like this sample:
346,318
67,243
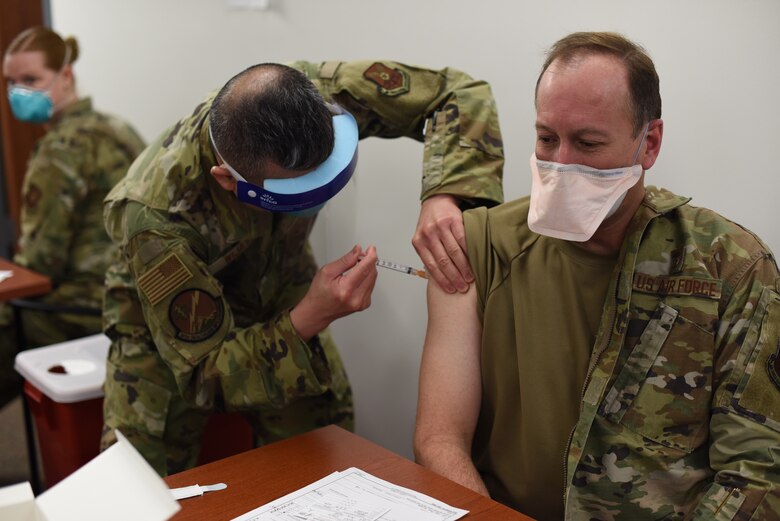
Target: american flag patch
163,278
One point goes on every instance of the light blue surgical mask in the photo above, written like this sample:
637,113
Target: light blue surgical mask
30,105
34,105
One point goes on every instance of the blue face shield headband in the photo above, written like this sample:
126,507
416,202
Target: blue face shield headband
309,191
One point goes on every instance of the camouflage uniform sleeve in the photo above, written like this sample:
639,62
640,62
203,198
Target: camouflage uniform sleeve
53,190
454,115
745,422
193,326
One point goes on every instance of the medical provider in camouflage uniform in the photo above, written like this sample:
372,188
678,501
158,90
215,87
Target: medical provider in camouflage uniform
618,355
203,309
83,154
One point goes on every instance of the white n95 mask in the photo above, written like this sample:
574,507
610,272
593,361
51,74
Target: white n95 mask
570,202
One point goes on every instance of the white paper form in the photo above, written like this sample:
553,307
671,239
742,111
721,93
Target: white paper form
354,495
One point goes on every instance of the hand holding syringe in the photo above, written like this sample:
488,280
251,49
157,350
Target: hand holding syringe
400,267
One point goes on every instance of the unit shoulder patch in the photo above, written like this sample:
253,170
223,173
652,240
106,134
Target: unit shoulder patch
196,315
759,389
389,81
773,366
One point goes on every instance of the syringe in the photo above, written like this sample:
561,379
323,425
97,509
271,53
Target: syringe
400,267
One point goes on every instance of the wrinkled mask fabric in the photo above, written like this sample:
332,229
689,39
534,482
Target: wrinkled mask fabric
30,105
570,202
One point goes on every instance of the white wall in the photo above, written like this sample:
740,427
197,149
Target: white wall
152,60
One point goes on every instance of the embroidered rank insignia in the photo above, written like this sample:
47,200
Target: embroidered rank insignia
773,367
390,82
33,197
163,278
195,315
677,261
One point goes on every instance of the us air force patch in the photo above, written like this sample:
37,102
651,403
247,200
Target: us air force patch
195,314
390,82
163,278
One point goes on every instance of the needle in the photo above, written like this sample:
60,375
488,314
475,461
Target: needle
402,268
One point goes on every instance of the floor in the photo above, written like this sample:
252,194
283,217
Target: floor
13,449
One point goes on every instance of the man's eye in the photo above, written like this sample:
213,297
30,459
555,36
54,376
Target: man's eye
589,144
545,140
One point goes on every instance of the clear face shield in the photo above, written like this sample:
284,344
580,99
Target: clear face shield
305,194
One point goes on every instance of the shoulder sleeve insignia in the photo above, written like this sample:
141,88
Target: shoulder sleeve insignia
33,196
196,315
163,278
773,366
759,388
390,82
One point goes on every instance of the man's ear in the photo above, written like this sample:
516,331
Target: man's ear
223,177
655,134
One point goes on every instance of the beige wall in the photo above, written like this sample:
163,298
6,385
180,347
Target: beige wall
152,60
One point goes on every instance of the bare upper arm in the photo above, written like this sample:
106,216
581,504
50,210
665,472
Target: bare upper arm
450,378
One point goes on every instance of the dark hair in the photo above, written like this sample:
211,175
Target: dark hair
271,112
47,41
644,93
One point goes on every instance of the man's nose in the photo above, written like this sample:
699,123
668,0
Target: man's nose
564,154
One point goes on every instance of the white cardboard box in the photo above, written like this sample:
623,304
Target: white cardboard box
118,485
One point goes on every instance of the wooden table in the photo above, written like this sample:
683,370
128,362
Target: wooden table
23,283
259,476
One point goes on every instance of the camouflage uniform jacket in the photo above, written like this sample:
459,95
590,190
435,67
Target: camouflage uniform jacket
71,169
680,411
211,280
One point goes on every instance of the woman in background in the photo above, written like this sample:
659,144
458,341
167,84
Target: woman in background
83,154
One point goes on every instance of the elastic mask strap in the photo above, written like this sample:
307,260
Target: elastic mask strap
233,172
640,144
47,90
62,68
65,59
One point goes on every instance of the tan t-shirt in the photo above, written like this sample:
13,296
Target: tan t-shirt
541,301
